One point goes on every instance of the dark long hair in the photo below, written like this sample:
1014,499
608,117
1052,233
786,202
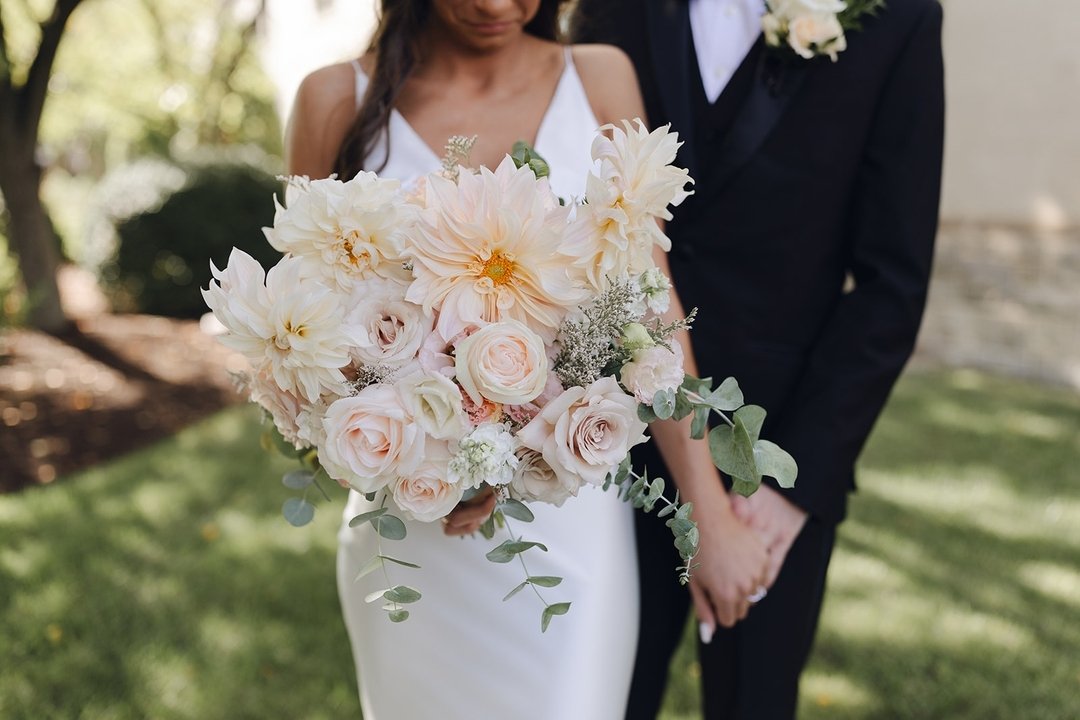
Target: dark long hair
396,51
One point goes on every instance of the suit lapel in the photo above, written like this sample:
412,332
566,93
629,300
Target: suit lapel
775,82
669,40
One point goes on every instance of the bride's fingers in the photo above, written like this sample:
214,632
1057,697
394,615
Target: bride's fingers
704,612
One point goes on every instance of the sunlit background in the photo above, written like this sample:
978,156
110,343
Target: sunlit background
144,567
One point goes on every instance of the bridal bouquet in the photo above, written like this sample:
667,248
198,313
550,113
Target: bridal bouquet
475,333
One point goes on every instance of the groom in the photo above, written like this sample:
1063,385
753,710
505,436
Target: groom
807,245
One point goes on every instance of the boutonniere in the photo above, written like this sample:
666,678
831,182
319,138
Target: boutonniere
814,27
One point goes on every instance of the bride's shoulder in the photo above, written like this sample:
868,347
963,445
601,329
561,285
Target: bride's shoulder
328,86
609,79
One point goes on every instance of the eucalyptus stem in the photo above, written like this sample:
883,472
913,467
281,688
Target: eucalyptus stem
521,559
378,548
695,398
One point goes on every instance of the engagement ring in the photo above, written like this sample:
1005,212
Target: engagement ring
758,595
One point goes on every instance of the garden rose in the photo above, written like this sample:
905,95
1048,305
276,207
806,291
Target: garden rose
435,402
504,362
820,31
585,432
425,494
535,480
390,330
652,369
371,439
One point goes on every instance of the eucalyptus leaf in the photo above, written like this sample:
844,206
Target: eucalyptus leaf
645,413
402,594
663,404
518,588
282,445
683,405
746,488
511,548
551,611
733,452
377,595
397,616
297,479
403,563
488,528
547,581
700,423
752,417
298,511
516,509
365,517
665,511
774,461
727,397
656,490
698,386
390,527
373,564
624,470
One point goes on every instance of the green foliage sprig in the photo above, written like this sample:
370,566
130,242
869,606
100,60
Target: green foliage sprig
855,10
736,446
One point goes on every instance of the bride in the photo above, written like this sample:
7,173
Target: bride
489,68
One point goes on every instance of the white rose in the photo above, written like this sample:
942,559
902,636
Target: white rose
435,402
585,432
653,369
819,30
370,439
390,330
535,480
425,494
504,362
772,26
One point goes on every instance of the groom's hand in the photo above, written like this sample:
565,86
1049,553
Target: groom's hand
775,519
730,565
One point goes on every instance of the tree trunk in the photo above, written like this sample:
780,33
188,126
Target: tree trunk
31,236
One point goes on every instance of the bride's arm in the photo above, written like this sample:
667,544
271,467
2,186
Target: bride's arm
731,560
322,113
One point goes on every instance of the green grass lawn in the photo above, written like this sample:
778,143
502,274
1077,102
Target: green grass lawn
165,585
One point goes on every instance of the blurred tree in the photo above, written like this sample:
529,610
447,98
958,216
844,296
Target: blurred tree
30,229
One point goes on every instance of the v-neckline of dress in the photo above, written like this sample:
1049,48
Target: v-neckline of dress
540,130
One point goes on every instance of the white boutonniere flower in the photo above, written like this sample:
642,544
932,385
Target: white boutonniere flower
812,28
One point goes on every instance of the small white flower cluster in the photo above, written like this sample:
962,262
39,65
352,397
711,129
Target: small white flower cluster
809,27
411,340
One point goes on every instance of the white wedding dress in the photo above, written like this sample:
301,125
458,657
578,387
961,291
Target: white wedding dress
464,654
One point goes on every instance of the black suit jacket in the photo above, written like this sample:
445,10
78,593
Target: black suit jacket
827,171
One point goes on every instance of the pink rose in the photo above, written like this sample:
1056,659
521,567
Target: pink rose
370,439
503,362
535,480
585,432
425,494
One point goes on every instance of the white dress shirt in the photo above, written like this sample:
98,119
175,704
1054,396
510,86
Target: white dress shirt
724,31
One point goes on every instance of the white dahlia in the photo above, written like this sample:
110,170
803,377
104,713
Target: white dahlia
343,231
613,234
291,327
490,248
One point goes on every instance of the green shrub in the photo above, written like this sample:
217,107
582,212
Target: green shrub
163,252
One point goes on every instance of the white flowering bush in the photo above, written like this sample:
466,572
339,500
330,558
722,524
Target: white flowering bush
476,334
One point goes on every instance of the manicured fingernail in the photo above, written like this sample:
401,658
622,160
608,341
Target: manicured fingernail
705,631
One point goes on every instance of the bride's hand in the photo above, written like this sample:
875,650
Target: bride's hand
469,515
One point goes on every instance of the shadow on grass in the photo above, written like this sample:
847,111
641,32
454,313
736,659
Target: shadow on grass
168,586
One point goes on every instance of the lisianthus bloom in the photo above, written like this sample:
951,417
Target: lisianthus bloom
293,327
490,248
653,369
343,231
613,234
